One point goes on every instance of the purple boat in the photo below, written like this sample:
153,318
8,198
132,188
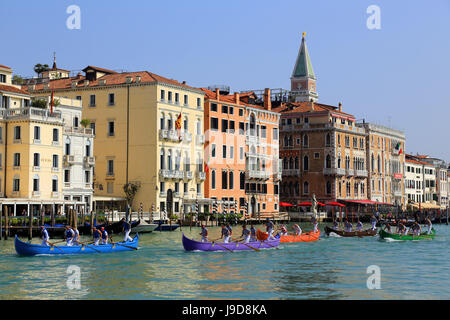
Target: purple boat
191,245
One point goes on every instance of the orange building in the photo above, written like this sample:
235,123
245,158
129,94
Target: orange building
241,152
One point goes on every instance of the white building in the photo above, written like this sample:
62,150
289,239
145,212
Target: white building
414,181
78,159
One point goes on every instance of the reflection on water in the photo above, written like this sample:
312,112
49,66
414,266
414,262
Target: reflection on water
331,268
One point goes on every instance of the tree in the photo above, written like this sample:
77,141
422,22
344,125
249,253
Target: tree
130,190
39,68
17,79
39,103
85,122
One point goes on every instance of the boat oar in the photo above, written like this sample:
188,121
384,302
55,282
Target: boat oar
222,246
122,244
53,245
84,244
263,241
239,241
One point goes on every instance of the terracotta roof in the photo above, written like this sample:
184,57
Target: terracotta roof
7,88
230,99
5,67
417,162
305,106
111,79
99,69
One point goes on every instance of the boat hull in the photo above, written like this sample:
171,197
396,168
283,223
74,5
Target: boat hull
144,227
305,237
386,235
167,227
364,233
192,245
27,249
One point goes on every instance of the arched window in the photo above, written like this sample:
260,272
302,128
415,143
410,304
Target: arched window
242,180
297,188
305,187
328,161
297,165
379,162
252,125
213,179
328,187
305,163
328,140
285,164
305,140
291,163
339,161
169,160
88,148
286,141
162,162
55,184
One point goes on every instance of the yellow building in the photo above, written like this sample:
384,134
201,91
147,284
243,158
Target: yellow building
133,116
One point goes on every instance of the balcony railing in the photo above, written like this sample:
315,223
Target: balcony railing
72,130
201,175
89,161
188,175
334,171
171,174
361,173
30,113
291,172
255,174
69,159
200,139
350,172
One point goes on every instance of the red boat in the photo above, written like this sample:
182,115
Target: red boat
304,237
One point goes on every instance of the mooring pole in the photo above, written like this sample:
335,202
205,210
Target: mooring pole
1,221
30,223
6,223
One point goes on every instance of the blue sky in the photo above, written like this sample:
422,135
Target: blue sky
396,76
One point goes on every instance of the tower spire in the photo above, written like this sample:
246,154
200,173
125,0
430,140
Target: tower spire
54,61
303,79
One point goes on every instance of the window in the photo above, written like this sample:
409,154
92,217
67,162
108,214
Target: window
16,159
78,97
92,100
305,141
263,132
316,155
241,153
1,134
16,184
177,98
231,125
213,179
231,180
75,122
67,151
88,148
37,133
241,128
55,161
110,187
305,187
328,187
55,184
231,152
111,129
230,110
66,176
224,125
306,120
185,187
169,96
186,100
275,133
199,188
242,180
163,95
224,109
92,125
224,152
213,150
17,133
241,112
55,135
110,168
199,102
224,180
214,107
111,99
36,183
214,124
87,176
36,160
2,78
306,163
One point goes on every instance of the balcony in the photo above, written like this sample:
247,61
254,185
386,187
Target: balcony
68,159
186,136
334,171
30,113
397,193
200,139
255,174
361,173
176,195
80,131
36,193
349,172
171,174
89,161
277,176
55,194
201,176
188,175
291,172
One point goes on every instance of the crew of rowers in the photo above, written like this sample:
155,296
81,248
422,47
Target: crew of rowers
72,235
348,226
414,230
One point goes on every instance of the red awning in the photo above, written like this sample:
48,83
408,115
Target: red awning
285,204
367,202
337,204
308,204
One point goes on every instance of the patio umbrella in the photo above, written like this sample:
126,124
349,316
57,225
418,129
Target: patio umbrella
337,204
285,204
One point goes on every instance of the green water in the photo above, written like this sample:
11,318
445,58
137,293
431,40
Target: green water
331,268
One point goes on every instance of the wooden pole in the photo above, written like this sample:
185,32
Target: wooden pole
75,220
52,215
1,221
92,221
30,223
6,223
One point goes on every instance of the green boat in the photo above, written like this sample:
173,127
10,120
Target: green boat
386,235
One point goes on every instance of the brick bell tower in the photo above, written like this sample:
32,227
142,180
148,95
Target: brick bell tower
303,80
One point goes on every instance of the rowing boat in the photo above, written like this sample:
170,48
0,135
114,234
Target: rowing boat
387,235
28,249
192,245
304,237
342,233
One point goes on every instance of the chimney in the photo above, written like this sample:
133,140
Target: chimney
138,79
184,82
129,79
340,106
236,98
217,94
267,101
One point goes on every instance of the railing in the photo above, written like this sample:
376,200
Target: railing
350,172
30,113
291,172
255,174
188,175
334,171
68,159
171,174
87,131
200,139
201,175
361,173
89,161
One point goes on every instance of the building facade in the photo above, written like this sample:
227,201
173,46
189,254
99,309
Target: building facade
242,154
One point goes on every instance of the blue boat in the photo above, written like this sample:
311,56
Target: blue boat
166,226
28,249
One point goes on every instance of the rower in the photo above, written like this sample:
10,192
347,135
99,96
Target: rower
284,231
373,221
315,224
97,235
348,226
430,226
297,230
252,233
400,227
204,233
230,229
269,229
335,224
104,236
359,225
76,235
126,227
68,235
245,234
387,227
44,236
416,229
225,234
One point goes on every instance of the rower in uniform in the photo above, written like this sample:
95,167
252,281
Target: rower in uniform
297,230
225,234
348,226
416,229
373,221
284,231
245,234
315,224
335,224
104,236
269,229
126,227
44,236
252,233
204,233
230,229
96,235
68,236
359,225
76,236
430,226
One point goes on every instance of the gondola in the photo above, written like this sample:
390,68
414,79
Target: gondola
192,245
364,233
387,235
304,237
27,249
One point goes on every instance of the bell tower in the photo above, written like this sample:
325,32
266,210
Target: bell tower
303,80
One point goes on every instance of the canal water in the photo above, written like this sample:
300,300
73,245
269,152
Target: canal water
331,268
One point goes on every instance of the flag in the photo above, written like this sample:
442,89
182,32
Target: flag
207,165
399,147
178,126
51,108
